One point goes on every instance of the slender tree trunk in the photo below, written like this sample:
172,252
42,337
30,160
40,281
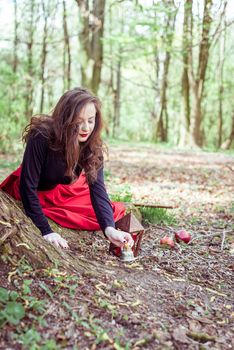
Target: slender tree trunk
154,112
230,140
162,124
13,91
110,89
84,38
67,51
116,120
185,110
220,74
163,114
117,90
29,78
197,81
91,55
43,55
97,44
220,91
16,39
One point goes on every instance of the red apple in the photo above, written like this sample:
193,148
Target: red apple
167,242
182,235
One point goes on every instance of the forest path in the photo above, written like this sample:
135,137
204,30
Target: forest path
189,179
166,299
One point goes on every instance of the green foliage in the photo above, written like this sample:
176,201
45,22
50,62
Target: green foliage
25,287
13,312
105,304
46,289
31,339
123,195
3,295
157,216
10,311
140,40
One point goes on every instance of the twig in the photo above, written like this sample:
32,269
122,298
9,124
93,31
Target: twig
154,205
209,235
223,240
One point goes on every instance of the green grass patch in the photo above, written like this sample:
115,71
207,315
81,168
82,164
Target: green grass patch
123,195
157,216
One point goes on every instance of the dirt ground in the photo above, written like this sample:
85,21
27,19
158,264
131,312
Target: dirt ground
167,299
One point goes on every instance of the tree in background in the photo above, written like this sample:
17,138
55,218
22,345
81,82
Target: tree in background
66,52
29,63
163,69
161,125
221,58
44,53
91,48
16,38
197,74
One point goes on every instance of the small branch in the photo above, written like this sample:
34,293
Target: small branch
154,205
223,240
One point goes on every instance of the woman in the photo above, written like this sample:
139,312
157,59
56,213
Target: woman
61,176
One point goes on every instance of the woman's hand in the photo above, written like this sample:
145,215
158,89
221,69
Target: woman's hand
56,239
119,238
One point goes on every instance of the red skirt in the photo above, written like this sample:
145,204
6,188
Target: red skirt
68,205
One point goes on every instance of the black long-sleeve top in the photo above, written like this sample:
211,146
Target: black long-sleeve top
43,169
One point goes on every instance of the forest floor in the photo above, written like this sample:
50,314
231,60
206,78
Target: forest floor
166,299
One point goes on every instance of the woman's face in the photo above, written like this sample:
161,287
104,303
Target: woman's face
86,122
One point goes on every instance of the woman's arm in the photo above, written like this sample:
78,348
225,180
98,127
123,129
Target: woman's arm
34,156
101,202
104,212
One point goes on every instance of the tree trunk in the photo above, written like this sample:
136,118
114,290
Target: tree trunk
185,110
16,39
43,55
161,131
20,238
154,112
197,81
110,83
220,74
29,78
91,55
163,115
230,140
97,44
67,52
116,119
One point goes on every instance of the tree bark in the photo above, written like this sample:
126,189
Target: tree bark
16,39
29,78
43,55
230,140
117,91
67,52
20,238
185,111
161,127
91,55
220,74
197,81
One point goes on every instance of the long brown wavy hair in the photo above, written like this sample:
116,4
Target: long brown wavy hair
61,130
